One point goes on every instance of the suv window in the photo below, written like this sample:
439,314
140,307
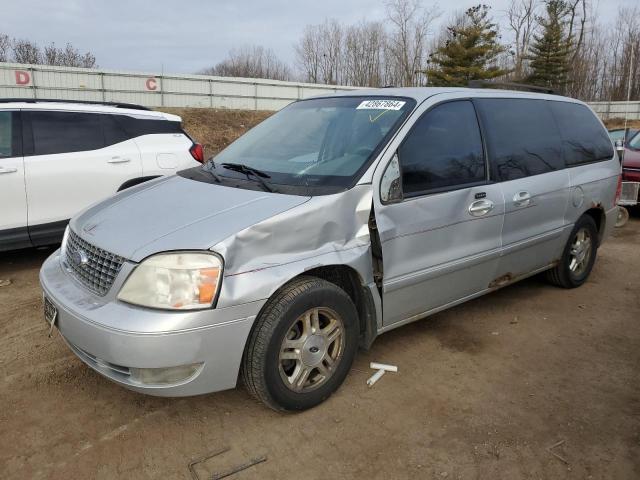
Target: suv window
63,132
443,150
584,140
113,130
522,137
136,127
6,134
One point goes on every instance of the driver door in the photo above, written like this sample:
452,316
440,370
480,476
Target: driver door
441,234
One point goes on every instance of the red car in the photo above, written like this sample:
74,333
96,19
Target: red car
631,163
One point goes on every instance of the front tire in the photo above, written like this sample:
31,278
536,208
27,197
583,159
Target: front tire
578,257
302,345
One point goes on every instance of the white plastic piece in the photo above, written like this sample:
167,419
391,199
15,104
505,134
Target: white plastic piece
375,377
383,366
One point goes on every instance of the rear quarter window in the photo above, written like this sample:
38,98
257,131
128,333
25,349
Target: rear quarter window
136,127
584,140
522,137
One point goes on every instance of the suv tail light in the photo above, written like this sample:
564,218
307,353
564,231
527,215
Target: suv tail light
618,191
197,152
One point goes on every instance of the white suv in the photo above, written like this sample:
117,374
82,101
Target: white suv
58,157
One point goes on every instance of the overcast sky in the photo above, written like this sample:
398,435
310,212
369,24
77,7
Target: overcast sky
186,36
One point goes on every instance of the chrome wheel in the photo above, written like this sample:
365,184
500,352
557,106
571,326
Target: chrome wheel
580,252
311,349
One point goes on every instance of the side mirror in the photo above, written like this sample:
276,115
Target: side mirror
620,148
391,183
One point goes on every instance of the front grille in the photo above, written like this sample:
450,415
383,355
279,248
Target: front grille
94,267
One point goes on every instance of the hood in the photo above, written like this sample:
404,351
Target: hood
175,213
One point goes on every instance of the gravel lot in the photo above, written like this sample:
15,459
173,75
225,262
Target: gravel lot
482,391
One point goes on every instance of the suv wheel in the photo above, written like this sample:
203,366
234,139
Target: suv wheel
578,257
302,345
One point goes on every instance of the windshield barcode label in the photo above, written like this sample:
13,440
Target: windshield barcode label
381,105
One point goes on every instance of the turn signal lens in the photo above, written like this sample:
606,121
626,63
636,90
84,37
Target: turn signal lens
177,281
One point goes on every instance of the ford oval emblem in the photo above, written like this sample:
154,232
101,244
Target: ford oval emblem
79,258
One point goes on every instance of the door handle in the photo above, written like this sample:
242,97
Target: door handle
480,208
522,199
7,170
118,160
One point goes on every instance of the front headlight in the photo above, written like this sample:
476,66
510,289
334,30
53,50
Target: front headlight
177,281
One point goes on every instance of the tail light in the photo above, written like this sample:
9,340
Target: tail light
618,190
197,152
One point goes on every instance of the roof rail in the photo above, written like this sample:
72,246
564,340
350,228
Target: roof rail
131,106
512,85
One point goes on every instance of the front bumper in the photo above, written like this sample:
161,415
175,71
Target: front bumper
95,330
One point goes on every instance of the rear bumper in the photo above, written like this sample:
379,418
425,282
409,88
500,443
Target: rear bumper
611,216
215,339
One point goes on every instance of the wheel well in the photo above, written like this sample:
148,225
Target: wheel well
349,280
598,215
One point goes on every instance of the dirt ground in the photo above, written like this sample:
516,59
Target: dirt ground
482,391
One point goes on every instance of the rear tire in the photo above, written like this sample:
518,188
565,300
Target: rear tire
302,345
622,217
578,256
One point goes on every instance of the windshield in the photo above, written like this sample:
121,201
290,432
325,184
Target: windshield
316,143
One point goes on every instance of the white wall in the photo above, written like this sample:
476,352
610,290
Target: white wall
152,89
617,109
159,90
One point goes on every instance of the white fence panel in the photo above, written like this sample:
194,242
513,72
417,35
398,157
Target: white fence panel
202,91
608,110
152,89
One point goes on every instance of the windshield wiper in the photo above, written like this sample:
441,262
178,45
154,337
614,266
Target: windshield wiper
247,170
208,167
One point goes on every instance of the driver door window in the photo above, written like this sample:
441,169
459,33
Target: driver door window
443,151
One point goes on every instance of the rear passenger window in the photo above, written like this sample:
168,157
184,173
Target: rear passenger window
522,137
6,134
443,150
64,132
584,140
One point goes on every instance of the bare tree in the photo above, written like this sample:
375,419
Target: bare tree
308,53
411,23
25,51
5,47
68,57
364,54
320,53
251,62
521,18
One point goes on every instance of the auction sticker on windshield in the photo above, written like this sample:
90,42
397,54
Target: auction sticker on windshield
381,105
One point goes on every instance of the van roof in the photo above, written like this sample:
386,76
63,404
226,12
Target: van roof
422,93
82,106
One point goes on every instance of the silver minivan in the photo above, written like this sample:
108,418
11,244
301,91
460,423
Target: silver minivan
333,221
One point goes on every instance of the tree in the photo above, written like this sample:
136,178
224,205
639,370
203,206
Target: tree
363,54
550,50
468,51
406,49
251,62
5,47
68,57
521,19
25,51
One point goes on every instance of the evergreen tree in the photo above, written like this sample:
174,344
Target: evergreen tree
469,51
550,51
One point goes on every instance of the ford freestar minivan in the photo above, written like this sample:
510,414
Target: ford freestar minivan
333,221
